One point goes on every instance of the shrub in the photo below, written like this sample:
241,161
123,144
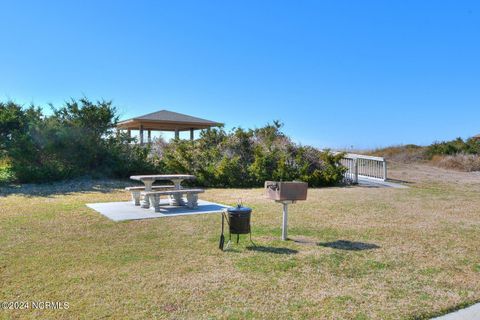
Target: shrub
6,174
457,146
246,158
78,139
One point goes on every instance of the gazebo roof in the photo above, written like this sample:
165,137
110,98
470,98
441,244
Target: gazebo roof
165,120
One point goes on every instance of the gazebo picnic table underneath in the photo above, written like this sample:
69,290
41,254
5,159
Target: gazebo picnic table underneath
148,180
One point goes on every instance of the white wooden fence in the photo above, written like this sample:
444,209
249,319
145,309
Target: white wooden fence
364,167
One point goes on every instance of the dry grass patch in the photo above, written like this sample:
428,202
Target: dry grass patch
461,162
356,253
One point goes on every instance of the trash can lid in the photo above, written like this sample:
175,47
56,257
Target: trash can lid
239,209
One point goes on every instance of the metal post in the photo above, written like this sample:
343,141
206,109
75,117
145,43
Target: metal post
129,133
149,134
191,134
285,221
177,134
141,134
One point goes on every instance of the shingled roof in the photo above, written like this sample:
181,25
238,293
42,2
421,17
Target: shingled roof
167,121
165,115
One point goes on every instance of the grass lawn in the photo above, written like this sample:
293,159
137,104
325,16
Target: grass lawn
355,253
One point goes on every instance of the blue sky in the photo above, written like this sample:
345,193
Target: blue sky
337,73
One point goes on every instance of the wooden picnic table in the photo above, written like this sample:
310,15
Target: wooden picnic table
177,179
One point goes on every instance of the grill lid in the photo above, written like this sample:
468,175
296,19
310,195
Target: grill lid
239,209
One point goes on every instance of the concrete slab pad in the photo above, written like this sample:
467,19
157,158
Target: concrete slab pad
121,211
470,313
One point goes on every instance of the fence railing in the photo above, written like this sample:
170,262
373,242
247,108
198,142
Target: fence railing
364,167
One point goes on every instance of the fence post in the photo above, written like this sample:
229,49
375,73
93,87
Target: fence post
384,170
355,170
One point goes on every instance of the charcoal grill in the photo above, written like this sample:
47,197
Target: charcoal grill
238,220
286,193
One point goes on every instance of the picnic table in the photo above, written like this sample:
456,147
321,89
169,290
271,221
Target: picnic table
148,180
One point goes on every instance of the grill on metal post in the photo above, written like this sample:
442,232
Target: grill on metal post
286,193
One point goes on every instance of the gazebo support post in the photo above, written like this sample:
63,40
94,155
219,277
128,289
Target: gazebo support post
191,134
149,134
141,134
177,134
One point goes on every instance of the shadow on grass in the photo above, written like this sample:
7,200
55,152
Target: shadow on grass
399,181
370,186
272,250
366,186
64,187
349,245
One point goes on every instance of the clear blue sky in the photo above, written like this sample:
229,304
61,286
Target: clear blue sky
337,73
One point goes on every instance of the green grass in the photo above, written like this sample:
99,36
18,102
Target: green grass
424,260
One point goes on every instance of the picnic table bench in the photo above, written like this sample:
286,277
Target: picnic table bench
136,191
191,194
148,180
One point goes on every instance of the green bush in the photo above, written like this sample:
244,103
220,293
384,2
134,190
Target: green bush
246,158
78,139
6,174
454,147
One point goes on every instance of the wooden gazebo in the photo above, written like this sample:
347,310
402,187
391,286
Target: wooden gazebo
165,120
